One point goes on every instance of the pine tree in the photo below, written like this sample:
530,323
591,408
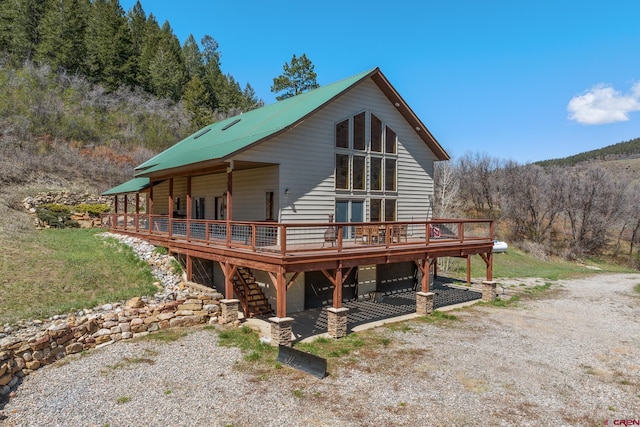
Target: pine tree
138,27
62,35
148,52
167,70
19,21
109,46
196,101
214,80
193,61
298,77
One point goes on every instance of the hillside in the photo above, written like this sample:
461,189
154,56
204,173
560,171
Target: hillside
628,152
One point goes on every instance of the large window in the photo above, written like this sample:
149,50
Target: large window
342,134
376,134
367,161
358,132
359,172
390,174
342,171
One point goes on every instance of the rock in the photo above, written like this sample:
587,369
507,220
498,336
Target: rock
102,332
103,339
76,347
5,379
3,369
135,302
33,365
179,322
40,343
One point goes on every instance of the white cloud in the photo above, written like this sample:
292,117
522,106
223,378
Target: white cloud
603,104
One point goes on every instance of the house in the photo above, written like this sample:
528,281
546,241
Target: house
319,198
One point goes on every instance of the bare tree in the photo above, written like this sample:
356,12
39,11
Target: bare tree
532,199
446,191
594,203
478,184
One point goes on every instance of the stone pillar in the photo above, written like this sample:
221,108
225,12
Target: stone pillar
337,322
424,303
281,331
489,290
229,310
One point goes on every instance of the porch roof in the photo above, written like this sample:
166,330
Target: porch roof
132,186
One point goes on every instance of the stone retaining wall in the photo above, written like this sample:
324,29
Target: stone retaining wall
28,351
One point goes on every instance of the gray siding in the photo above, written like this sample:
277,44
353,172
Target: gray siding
306,156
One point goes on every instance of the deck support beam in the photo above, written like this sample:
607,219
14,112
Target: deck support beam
488,260
280,282
424,265
228,270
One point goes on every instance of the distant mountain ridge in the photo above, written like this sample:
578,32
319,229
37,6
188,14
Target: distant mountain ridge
620,151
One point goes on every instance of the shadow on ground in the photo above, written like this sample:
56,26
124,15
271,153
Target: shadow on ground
386,306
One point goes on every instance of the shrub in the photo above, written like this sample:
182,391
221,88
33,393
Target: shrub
56,215
94,209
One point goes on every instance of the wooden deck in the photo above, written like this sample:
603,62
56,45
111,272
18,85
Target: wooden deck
309,247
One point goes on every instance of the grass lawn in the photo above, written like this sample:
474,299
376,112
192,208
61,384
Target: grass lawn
56,271
516,264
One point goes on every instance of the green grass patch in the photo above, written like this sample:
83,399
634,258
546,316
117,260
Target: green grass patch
330,348
57,271
516,263
498,302
166,335
637,288
123,399
438,317
248,341
538,289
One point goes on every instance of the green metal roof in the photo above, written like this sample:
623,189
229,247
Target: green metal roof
221,139
132,186
217,142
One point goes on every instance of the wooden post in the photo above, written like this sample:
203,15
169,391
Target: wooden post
150,200
468,269
337,290
189,268
137,212
189,208
281,297
228,282
170,206
229,200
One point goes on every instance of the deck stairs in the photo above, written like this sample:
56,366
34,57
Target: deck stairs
252,299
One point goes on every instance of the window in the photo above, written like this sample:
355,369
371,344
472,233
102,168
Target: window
390,174
390,141
376,134
342,134
375,210
358,132
359,172
342,171
376,174
389,210
269,206
367,159
199,208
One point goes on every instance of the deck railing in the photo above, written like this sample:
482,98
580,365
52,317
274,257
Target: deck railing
288,238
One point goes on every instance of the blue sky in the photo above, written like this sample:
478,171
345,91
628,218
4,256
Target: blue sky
518,80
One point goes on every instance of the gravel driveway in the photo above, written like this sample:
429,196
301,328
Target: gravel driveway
570,357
